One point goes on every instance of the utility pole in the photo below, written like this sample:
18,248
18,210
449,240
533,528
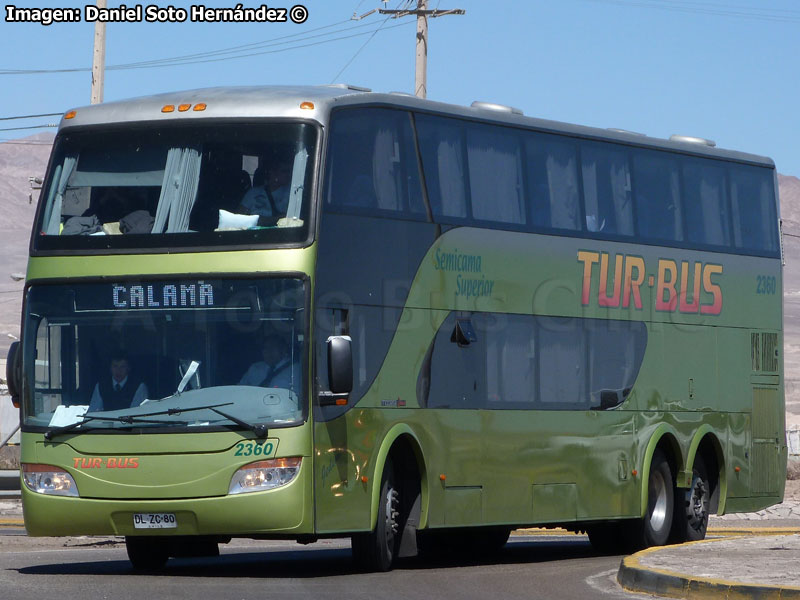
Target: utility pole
99,58
421,64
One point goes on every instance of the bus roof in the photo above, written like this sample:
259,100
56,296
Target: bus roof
285,102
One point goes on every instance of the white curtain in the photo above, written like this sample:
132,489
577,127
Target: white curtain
495,175
54,214
451,178
621,190
711,203
385,165
178,190
296,189
562,183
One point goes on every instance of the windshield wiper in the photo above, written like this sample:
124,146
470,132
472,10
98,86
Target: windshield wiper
128,420
177,411
260,430
132,419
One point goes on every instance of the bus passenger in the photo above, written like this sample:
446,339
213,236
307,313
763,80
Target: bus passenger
121,390
275,370
272,198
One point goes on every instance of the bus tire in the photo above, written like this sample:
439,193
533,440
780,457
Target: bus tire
691,506
654,529
147,553
376,550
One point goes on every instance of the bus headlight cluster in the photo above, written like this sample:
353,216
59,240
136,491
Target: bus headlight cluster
47,479
264,475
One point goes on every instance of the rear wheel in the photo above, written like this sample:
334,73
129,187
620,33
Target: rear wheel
691,506
654,528
147,553
376,550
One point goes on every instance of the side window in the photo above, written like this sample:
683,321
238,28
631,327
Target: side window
606,189
458,372
517,362
616,349
753,207
441,144
658,202
562,362
553,188
495,174
511,359
372,162
705,203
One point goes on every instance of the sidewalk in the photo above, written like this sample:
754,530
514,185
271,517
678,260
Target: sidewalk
747,555
749,566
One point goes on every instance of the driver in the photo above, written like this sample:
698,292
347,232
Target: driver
121,390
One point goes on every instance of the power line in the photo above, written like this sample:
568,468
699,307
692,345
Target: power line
287,39
364,45
217,55
31,116
31,127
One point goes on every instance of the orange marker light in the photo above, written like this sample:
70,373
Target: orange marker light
184,107
199,106
341,402
442,476
71,114
168,108
737,469
635,472
364,478
307,105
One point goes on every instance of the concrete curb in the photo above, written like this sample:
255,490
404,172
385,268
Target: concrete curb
635,577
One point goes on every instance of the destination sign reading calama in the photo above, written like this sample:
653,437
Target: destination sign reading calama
163,295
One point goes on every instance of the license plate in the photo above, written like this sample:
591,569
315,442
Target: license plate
154,521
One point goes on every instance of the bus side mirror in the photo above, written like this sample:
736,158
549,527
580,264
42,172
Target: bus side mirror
340,364
14,372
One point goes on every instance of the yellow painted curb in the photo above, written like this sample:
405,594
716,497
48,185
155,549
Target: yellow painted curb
11,522
635,577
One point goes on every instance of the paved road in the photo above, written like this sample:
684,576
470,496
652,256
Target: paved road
529,567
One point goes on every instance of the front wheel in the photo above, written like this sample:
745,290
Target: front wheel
376,550
691,506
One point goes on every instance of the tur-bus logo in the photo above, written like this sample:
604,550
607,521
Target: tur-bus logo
678,286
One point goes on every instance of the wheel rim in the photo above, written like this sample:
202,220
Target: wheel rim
391,518
658,501
697,505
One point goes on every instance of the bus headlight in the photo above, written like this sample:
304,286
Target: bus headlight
47,479
264,475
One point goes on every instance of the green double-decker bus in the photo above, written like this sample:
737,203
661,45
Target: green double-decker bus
290,312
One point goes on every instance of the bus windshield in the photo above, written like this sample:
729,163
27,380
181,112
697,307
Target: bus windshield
201,353
193,185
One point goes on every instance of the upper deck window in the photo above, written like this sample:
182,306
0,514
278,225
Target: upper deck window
209,184
753,211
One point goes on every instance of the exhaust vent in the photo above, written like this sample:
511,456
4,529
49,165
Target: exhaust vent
764,352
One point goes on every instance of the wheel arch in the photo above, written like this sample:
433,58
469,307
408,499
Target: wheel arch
665,439
706,444
400,442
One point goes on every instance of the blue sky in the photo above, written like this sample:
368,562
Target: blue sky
721,70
